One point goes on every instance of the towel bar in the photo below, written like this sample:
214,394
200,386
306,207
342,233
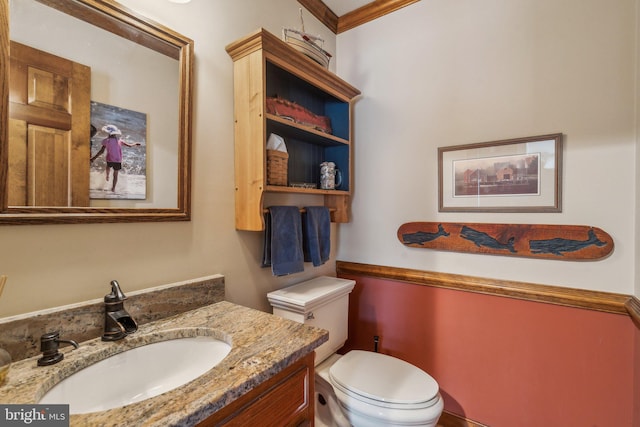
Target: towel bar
302,210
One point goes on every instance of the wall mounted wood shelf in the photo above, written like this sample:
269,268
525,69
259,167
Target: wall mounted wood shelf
265,66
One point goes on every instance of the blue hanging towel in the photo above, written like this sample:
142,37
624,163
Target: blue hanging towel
283,241
316,230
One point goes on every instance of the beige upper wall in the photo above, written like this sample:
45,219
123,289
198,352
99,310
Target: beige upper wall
433,74
440,73
49,266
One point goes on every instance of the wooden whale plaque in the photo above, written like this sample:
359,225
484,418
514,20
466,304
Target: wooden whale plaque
561,242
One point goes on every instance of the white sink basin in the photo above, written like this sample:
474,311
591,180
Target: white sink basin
137,374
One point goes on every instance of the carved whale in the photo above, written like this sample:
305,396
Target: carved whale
559,245
421,237
483,239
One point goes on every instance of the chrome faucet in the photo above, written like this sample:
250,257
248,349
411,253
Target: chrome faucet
117,322
49,344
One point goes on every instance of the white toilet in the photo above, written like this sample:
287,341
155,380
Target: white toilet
360,388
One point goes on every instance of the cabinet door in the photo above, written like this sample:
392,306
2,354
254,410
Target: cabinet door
284,400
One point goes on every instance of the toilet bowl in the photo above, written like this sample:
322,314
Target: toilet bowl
372,389
328,412
359,388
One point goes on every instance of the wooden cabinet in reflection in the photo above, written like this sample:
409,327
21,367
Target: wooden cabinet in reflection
49,129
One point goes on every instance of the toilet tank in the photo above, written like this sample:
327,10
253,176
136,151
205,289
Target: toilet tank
322,302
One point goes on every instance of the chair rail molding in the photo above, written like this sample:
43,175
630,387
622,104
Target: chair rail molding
633,307
579,298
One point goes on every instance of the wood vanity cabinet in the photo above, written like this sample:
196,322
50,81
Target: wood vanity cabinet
286,399
264,67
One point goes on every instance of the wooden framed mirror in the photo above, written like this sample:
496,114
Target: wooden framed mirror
72,71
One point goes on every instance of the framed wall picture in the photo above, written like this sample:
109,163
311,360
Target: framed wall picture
123,177
514,175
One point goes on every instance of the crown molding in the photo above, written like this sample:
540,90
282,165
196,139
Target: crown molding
362,15
320,10
370,12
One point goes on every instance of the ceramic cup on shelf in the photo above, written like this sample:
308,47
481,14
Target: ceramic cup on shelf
330,176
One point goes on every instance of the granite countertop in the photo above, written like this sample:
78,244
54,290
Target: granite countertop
262,346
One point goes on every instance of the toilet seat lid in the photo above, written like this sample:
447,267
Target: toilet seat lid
369,375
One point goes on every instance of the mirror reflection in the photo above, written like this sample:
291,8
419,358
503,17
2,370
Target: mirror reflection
95,120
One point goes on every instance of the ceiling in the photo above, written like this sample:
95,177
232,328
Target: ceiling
342,7
343,15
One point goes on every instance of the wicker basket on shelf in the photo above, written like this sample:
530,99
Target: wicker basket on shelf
277,167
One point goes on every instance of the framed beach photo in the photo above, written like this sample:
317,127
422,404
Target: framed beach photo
125,179
514,175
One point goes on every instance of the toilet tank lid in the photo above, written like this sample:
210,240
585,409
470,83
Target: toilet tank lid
306,296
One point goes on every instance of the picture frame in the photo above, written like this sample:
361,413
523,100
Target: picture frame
132,181
512,175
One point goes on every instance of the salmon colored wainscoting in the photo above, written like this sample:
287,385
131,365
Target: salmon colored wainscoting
633,305
636,394
504,353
